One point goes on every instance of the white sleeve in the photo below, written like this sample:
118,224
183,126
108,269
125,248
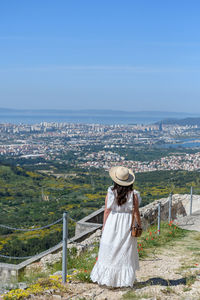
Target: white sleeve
138,195
111,198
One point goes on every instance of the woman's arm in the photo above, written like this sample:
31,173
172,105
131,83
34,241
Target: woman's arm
106,212
137,212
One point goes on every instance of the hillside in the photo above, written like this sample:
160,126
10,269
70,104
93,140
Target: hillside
30,199
181,122
35,199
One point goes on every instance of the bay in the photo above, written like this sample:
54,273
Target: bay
96,118
77,119
186,143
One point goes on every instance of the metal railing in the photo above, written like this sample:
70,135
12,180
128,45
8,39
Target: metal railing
30,229
65,232
170,208
65,239
25,230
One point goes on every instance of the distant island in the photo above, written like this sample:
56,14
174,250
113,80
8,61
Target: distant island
181,122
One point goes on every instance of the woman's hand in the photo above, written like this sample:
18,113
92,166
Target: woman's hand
106,213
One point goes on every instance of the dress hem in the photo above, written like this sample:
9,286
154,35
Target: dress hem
113,277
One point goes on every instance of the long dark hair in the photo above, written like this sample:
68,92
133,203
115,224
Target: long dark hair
121,192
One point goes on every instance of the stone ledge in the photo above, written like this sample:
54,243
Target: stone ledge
8,271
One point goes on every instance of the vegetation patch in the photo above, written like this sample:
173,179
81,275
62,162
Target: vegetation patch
151,239
134,296
168,291
33,199
80,267
42,285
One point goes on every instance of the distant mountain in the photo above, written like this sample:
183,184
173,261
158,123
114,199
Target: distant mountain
88,116
181,122
161,114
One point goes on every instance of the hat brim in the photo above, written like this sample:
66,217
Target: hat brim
129,181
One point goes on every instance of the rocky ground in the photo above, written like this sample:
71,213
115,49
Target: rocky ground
172,272
190,222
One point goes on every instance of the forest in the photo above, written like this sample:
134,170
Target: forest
30,199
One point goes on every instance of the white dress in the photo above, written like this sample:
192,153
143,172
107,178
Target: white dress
118,256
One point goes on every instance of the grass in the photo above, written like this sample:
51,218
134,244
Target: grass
186,289
133,296
185,267
38,288
197,237
85,261
169,234
189,245
83,264
190,279
168,291
32,276
149,240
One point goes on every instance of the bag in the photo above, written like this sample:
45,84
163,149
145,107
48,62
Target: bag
136,230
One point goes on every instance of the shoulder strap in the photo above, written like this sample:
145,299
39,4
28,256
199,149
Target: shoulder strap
133,213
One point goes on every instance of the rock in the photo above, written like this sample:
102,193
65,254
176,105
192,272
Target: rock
56,297
35,267
22,285
50,259
58,273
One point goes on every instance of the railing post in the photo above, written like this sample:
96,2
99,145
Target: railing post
159,216
191,196
170,207
64,255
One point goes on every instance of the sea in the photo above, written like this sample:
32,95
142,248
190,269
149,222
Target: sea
96,118
109,120
99,118
186,143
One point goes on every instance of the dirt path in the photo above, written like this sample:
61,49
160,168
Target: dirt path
175,272
190,222
172,273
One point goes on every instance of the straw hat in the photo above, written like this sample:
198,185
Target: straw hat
122,175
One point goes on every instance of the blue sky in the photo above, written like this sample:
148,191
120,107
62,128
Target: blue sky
127,55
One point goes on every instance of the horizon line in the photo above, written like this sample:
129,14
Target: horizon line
96,109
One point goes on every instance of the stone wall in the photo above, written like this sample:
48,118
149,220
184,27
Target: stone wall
180,207
8,272
94,220
149,213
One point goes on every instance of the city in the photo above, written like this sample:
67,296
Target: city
101,146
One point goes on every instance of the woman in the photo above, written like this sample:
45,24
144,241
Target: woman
118,256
